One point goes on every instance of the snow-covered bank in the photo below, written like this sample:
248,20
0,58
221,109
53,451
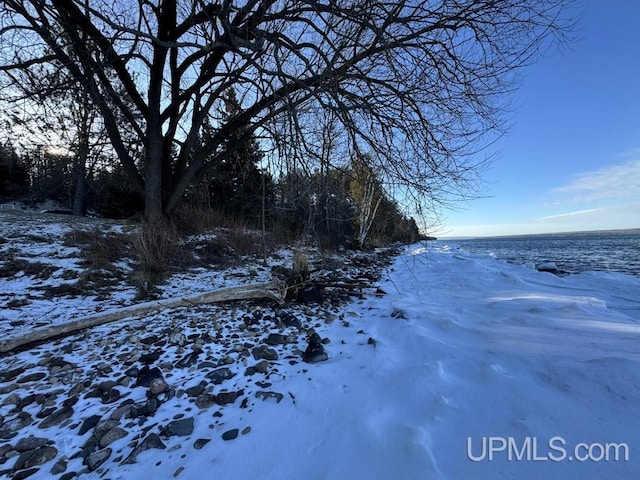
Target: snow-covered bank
460,349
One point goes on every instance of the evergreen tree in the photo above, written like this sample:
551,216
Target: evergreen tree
235,183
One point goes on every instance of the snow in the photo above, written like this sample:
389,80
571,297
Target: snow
461,351
487,349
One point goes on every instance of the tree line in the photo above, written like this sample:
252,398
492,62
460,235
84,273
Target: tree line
340,206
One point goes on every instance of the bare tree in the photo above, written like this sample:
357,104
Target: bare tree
418,84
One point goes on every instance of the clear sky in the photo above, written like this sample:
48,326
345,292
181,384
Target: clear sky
571,160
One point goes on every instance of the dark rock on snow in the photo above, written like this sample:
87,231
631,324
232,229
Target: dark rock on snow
315,352
220,375
57,417
146,375
151,441
264,352
95,459
201,442
179,428
230,434
88,424
269,395
34,458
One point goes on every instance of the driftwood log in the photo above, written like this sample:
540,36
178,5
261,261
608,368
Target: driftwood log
275,290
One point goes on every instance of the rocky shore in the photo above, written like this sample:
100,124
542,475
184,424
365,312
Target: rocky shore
83,405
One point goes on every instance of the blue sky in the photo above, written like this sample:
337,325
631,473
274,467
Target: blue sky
571,160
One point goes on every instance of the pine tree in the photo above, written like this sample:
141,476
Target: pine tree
235,183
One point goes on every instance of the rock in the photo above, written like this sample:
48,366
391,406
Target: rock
152,441
149,358
310,294
45,412
24,473
111,436
12,374
196,390
275,339
399,313
230,434
189,359
110,396
315,352
104,367
25,401
548,266
177,338
70,402
59,467
9,428
4,449
227,360
8,388
269,395
76,389
31,377
150,340
58,362
146,410
260,367
245,430
30,443
207,364
220,375
157,386
13,399
57,417
103,426
201,442
290,320
106,385
88,424
205,400
146,375
124,410
264,352
34,458
224,398
95,459
180,428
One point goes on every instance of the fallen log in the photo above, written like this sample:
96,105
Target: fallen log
274,290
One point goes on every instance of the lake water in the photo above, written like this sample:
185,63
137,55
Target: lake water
617,251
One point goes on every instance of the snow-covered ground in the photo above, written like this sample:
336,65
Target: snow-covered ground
467,367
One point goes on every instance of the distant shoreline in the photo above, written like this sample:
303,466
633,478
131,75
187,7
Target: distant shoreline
628,231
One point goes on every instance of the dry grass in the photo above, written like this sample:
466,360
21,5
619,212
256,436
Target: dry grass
155,248
12,266
301,263
99,250
191,220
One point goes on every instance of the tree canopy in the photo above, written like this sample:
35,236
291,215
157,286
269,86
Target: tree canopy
417,86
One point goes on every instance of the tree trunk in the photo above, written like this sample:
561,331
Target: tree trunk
80,178
154,207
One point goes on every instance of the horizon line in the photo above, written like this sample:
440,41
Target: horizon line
570,232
